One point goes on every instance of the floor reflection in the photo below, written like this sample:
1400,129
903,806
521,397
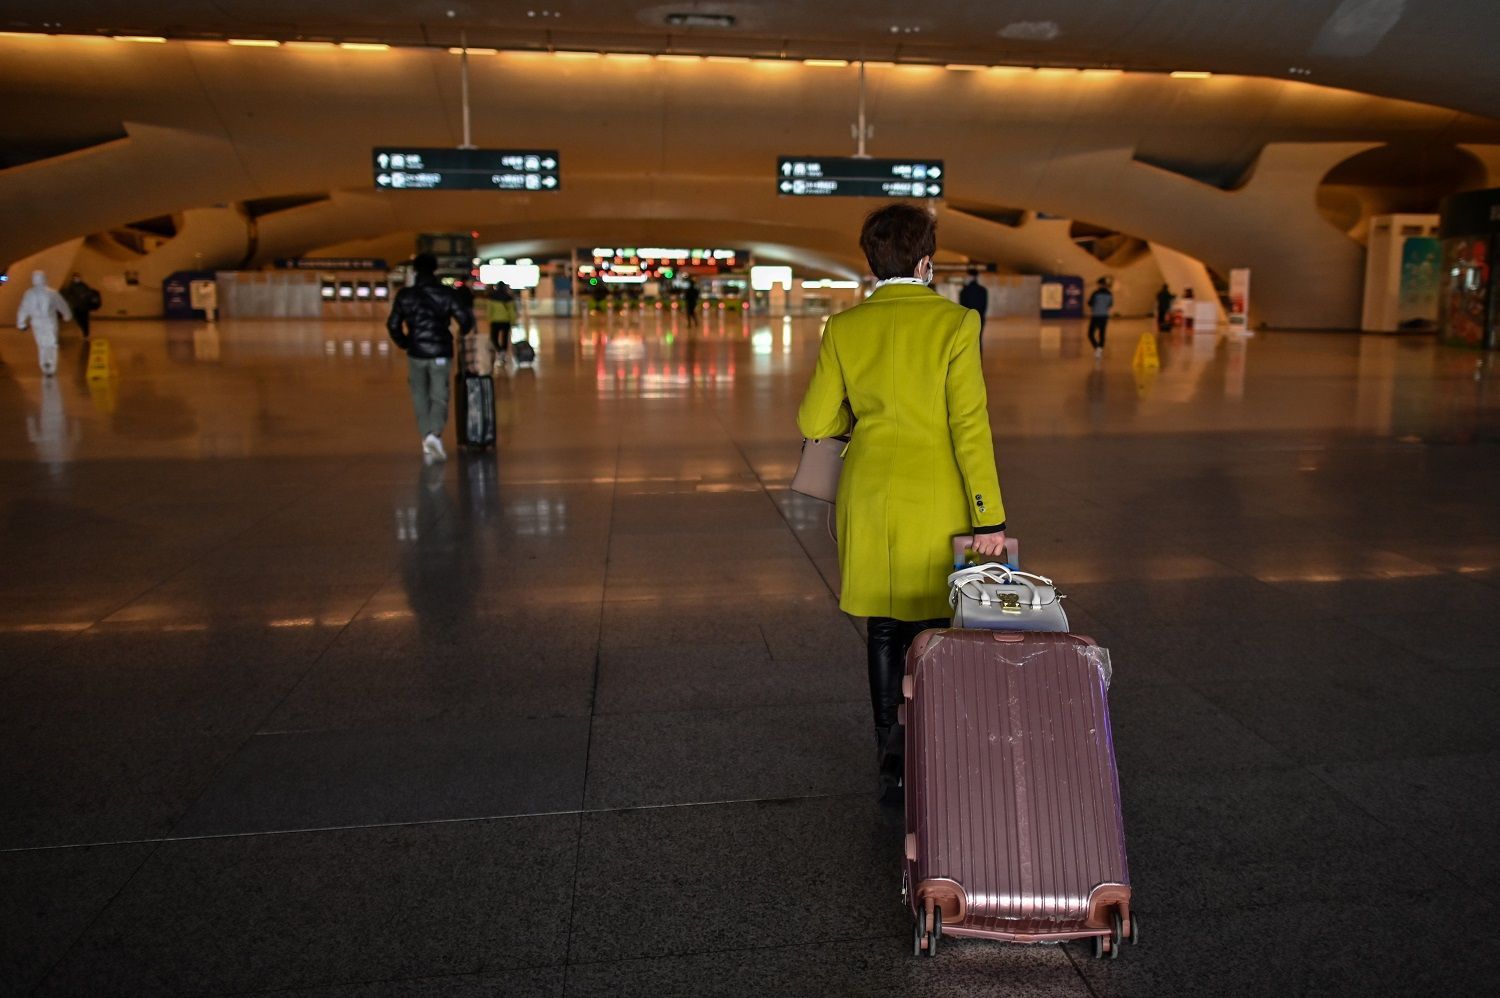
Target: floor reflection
306,387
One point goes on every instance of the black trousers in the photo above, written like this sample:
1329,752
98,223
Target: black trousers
889,640
1097,324
81,316
500,336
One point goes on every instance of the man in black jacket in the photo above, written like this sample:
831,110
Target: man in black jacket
83,300
976,297
419,324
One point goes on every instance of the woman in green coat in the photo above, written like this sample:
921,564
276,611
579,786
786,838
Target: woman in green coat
901,371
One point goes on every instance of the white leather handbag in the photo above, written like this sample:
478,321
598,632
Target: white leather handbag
994,597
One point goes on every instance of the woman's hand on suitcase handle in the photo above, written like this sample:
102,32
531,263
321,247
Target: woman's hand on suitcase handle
988,545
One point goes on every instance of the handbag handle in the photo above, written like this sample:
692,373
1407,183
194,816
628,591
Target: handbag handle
998,574
961,550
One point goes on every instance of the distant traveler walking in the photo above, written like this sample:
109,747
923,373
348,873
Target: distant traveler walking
501,310
690,301
419,324
920,469
83,300
1100,302
976,297
41,308
1164,299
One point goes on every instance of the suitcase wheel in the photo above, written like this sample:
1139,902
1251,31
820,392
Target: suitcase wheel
924,941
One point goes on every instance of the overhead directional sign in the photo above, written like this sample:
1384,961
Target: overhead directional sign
408,169
854,176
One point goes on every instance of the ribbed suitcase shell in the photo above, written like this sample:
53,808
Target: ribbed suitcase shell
1012,798
476,410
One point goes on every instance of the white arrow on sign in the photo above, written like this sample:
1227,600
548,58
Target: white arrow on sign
786,169
383,160
549,181
549,163
933,171
786,185
934,191
384,180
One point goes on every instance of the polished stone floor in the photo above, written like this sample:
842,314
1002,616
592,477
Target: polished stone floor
283,710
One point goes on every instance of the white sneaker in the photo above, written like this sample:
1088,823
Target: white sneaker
437,449
1098,351
431,446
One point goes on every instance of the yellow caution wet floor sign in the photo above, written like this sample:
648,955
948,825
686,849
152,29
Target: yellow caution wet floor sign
1145,353
101,360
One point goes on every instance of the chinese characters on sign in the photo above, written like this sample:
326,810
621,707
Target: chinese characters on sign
466,169
852,176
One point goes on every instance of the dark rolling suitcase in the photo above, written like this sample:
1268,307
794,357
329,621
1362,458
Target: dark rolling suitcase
1012,800
476,410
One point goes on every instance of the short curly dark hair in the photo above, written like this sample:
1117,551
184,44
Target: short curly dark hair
895,237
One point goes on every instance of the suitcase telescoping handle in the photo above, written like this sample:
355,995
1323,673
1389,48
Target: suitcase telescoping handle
961,552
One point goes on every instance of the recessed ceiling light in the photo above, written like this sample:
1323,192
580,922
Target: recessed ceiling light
365,46
1190,74
825,62
258,43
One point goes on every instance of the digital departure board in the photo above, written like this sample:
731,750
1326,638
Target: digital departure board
853,176
407,169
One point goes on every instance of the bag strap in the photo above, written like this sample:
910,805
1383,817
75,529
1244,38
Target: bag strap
960,581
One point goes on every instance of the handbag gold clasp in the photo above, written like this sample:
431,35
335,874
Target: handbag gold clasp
1010,603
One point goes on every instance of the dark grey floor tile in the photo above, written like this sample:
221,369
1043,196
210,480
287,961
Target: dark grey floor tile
745,753
1197,651
1458,640
1448,596
1427,945
744,579
199,680
1443,805
1382,715
665,881
1173,728
434,771
226,915
1151,604
67,784
535,982
1202,840
710,676
287,603
509,662
635,552
48,897
863,967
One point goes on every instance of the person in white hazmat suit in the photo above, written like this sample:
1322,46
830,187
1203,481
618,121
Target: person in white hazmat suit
41,308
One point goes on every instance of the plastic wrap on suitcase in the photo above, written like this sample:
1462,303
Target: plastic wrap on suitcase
1012,798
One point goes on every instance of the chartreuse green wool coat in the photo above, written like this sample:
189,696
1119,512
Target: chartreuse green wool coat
920,469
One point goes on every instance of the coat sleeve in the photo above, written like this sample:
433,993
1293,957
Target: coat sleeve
969,426
394,323
60,304
823,412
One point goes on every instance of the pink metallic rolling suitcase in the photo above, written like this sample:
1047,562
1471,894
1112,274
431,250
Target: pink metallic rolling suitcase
1013,826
